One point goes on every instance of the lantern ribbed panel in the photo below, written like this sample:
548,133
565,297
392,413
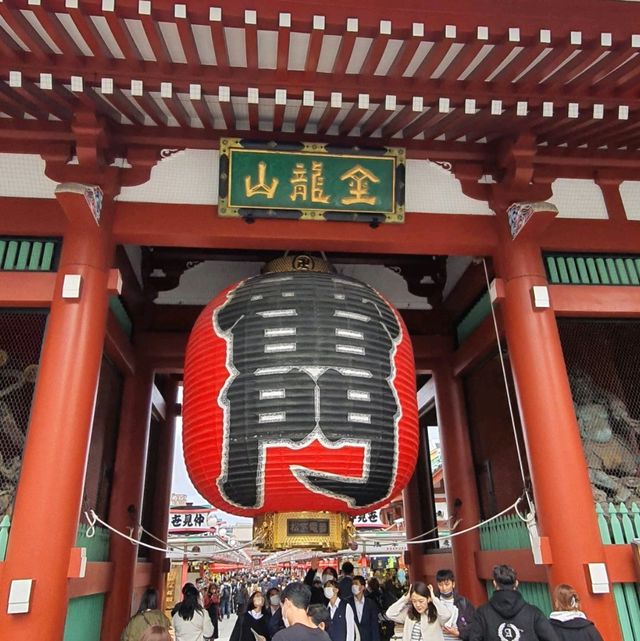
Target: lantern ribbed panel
299,394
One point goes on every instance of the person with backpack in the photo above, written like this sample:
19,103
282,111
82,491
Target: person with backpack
568,621
148,616
508,615
462,610
191,621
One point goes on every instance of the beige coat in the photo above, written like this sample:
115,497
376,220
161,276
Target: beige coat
430,631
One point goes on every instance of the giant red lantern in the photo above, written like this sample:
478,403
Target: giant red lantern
299,394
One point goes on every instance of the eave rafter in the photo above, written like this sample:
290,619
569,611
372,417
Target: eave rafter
468,72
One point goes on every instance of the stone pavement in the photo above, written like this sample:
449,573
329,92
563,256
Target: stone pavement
225,627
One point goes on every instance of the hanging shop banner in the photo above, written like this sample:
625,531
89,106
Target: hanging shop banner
183,520
311,181
368,520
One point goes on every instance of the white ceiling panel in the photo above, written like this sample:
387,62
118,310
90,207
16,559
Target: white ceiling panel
74,34
482,54
140,39
420,54
204,44
454,50
236,46
268,48
102,27
389,55
298,45
171,36
358,55
40,30
328,53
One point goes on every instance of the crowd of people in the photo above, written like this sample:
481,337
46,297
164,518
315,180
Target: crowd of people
325,606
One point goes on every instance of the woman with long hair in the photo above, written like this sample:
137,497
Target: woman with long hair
422,613
568,620
252,625
148,615
190,620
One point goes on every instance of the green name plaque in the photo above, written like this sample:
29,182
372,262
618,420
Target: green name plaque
311,181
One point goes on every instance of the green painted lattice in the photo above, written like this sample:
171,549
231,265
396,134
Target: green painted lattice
593,269
510,533
622,525
24,254
84,615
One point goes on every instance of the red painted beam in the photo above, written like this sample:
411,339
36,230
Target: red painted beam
522,560
477,346
595,301
592,236
188,41
198,226
251,46
31,217
118,347
23,29
220,47
374,55
345,50
26,289
313,50
89,33
97,580
282,57
156,40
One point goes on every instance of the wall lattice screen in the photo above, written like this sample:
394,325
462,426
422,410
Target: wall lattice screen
21,335
602,359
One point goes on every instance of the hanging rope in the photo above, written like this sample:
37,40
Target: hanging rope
93,518
469,529
509,400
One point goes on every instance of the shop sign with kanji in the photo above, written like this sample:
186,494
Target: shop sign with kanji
369,519
181,521
311,181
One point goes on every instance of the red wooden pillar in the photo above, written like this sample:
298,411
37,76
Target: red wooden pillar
47,507
125,508
413,527
162,495
561,486
459,479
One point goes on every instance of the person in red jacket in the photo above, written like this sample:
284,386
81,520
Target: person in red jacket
569,622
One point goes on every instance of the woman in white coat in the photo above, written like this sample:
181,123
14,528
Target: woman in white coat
191,621
421,612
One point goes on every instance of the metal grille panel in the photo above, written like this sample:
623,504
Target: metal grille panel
602,358
21,334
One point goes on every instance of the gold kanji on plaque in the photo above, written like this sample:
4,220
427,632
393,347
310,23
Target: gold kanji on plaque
359,179
260,188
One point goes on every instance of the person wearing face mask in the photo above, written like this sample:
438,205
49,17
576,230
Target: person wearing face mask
421,612
317,592
461,609
365,611
342,626
298,625
252,625
274,611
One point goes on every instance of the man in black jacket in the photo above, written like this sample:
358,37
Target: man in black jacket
507,616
